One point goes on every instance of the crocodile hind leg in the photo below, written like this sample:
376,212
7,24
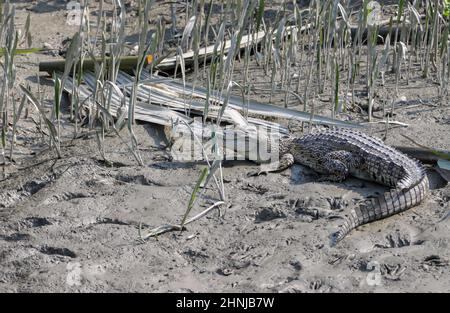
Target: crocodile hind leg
335,165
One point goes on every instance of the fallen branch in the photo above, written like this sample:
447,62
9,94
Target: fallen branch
128,63
388,122
173,227
424,155
440,154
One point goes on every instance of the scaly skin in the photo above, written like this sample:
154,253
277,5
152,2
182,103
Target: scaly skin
341,153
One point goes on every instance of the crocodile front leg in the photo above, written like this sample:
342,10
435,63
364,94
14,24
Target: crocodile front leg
286,161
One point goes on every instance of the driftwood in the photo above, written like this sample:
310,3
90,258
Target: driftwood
128,63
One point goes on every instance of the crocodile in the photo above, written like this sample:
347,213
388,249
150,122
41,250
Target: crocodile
337,154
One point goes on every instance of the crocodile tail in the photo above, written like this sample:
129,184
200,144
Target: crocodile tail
387,204
350,223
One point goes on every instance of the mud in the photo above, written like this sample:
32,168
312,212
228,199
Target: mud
72,224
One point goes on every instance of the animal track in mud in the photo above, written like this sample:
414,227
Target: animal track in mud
268,214
258,189
388,271
73,195
137,179
316,284
397,240
67,196
33,186
392,271
9,198
15,237
308,211
110,164
57,251
434,261
296,264
195,254
36,221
